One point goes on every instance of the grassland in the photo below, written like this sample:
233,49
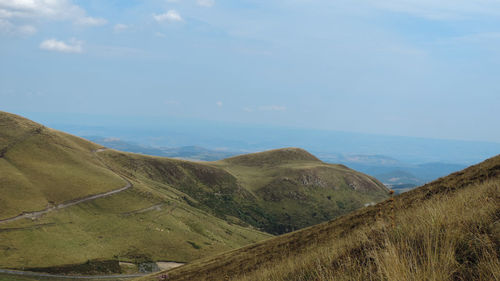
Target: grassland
151,221
276,191
296,190
176,210
41,167
446,230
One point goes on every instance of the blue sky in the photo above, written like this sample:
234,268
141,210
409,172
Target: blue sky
398,67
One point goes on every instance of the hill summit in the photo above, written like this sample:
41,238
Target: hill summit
273,157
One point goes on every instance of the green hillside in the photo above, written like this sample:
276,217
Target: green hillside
163,209
276,191
445,230
42,168
296,190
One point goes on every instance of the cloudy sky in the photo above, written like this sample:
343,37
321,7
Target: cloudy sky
401,67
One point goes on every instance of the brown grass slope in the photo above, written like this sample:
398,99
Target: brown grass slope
445,230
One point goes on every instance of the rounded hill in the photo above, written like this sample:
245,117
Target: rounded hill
272,157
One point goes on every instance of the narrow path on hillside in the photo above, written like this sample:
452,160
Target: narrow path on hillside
46,275
73,202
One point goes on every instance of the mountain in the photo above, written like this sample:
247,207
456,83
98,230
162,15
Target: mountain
398,175
295,189
445,230
66,202
276,191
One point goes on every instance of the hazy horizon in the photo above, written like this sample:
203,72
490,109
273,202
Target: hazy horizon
392,68
244,138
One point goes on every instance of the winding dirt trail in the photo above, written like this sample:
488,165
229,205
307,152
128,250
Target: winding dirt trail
62,206
73,202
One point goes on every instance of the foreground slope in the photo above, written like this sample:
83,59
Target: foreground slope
445,230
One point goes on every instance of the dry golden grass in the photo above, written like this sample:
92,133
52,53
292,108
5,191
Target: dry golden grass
451,237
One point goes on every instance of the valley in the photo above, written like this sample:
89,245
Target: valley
209,140
66,202
446,228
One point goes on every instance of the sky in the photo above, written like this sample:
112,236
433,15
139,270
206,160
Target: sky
420,68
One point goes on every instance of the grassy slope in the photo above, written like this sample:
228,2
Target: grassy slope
107,229
276,191
296,190
203,208
446,230
40,165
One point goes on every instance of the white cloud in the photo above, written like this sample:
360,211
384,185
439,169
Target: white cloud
120,27
272,108
73,46
206,3
26,29
9,28
170,15
90,21
24,13
5,25
219,104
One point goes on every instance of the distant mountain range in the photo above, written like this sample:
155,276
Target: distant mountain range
241,138
195,153
396,174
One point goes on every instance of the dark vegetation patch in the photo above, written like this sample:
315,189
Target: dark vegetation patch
91,267
26,227
194,245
